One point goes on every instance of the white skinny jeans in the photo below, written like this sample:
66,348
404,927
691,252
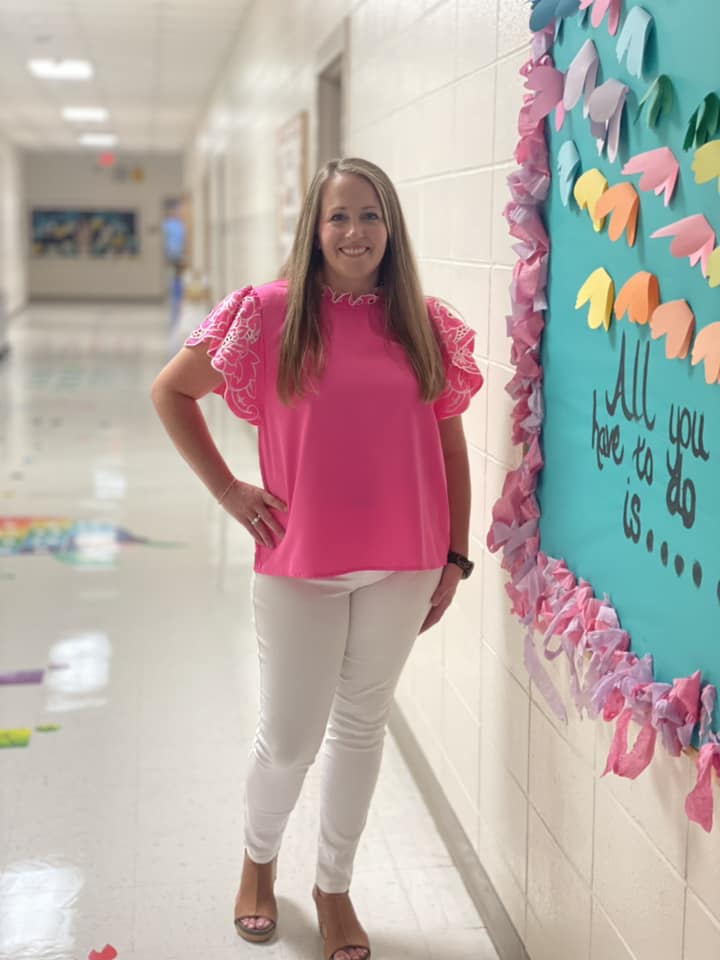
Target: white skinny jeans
331,652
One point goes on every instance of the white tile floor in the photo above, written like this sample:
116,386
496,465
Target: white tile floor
124,827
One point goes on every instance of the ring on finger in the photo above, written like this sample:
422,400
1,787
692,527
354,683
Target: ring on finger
256,519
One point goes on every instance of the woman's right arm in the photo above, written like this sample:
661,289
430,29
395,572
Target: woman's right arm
175,392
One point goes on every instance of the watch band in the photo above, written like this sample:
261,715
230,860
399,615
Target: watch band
467,566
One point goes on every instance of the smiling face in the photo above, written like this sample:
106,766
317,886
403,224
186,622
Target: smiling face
352,234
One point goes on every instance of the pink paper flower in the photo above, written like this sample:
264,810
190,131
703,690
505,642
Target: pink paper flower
600,8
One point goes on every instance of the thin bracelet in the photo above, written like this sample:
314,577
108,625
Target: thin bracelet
227,490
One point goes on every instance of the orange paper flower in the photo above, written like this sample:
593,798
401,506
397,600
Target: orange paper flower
707,348
639,297
622,204
676,321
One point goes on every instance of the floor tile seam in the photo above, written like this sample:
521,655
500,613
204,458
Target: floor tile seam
452,869
448,867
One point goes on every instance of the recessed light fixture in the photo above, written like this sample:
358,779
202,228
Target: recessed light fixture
61,69
85,114
98,139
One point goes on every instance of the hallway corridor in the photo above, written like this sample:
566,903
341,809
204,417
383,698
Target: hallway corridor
124,583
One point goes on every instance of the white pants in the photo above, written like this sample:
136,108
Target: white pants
331,652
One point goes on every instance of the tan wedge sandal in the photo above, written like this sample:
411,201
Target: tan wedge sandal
256,900
339,925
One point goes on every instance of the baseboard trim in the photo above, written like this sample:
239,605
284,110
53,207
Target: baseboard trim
92,299
499,926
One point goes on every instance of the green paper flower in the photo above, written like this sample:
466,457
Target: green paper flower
659,97
704,122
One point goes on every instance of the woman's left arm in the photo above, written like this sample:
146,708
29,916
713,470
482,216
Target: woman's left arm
457,471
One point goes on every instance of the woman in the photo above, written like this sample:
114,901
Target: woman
356,384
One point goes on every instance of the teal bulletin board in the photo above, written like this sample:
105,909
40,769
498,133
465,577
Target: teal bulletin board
610,526
630,489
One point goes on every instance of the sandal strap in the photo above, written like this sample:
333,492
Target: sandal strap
255,897
339,925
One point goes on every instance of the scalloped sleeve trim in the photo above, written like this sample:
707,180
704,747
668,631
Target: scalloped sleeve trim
232,332
463,377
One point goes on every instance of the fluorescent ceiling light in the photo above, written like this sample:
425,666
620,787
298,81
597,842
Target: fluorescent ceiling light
61,69
98,139
85,114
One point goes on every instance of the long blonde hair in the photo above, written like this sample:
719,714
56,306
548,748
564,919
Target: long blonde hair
302,352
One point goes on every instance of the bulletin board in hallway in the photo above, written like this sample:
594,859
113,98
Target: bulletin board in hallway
611,528
73,233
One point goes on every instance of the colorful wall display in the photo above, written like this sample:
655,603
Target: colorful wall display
17,677
292,178
84,233
78,542
610,526
108,952
18,737
21,736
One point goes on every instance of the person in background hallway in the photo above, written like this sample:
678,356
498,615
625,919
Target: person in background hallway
174,236
356,383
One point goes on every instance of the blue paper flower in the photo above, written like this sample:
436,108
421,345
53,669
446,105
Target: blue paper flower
545,11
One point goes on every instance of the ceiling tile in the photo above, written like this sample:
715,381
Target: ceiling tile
140,50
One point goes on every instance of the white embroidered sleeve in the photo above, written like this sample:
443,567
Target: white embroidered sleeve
232,332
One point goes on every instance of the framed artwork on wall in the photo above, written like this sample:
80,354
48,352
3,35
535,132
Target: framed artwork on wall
71,232
292,172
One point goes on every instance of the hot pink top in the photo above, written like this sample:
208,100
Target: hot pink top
360,462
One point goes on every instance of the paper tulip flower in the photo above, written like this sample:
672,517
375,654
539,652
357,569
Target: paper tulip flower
605,109
633,39
568,162
547,83
587,191
599,289
659,170
659,98
581,76
622,204
704,123
675,321
599,9
713,273
545,11
638,298
693,238
706,164
707,348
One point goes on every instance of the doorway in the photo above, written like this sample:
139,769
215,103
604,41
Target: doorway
330,139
